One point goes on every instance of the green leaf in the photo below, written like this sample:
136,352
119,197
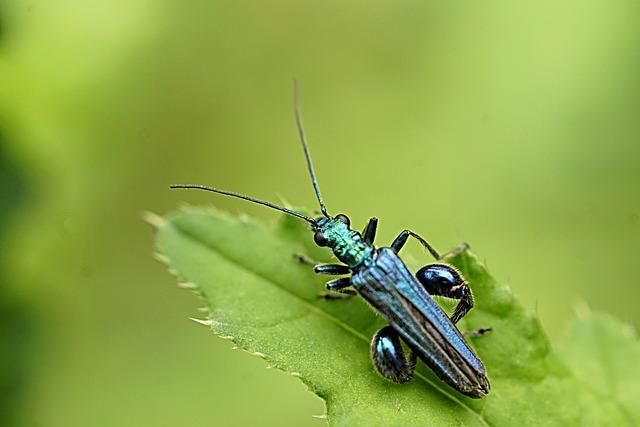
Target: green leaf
604,354
266,303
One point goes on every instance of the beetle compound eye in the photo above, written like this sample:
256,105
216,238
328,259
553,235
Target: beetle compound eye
343,218
320,239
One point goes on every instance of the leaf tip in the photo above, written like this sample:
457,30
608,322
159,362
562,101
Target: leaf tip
187,285
153,219
161,258
204,322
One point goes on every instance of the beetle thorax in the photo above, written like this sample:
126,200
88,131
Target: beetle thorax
347,245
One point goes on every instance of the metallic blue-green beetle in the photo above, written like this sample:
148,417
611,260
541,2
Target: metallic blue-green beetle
403,299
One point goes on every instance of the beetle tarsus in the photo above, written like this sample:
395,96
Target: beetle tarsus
477,332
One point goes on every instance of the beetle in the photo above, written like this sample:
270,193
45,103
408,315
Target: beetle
379,275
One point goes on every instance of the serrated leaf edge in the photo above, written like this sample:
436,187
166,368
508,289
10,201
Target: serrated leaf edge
193,287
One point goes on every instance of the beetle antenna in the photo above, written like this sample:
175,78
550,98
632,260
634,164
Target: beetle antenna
305,146
250,199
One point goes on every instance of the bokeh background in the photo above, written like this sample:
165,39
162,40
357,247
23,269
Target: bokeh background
511,125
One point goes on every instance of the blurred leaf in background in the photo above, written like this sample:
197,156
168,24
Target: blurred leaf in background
103,104
15,325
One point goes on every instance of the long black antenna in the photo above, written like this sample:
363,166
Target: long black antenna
305,146
250,199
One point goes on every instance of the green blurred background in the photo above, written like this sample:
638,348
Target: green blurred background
511,125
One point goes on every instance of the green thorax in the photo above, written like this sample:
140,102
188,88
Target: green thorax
347,245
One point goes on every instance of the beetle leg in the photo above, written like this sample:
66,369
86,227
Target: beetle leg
338,289
340,285
369,232
455,251
477,332
388,356
446,281
334,296
399,242
303,259
332,269
319,268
